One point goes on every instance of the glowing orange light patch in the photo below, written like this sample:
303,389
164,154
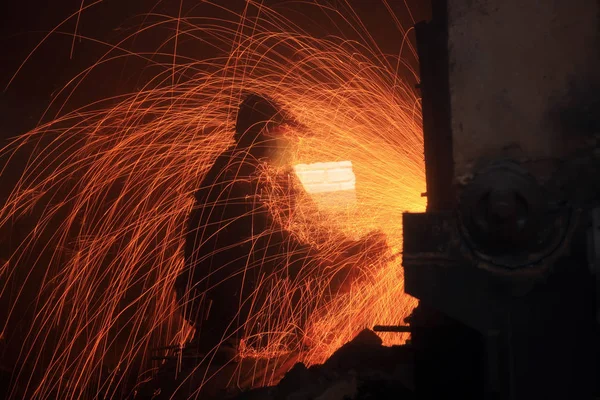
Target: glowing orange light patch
330,184
324,177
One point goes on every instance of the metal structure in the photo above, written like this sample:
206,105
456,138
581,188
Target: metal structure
505,260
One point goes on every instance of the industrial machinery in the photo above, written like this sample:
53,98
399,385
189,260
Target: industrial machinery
506,260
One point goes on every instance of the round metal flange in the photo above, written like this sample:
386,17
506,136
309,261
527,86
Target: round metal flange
504,217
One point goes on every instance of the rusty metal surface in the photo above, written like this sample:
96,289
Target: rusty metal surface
517,311
432,39
442,269
514,64
506,258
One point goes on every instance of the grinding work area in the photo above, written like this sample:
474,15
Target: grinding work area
300,200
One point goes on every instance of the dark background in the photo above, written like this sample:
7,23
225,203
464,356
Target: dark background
24,24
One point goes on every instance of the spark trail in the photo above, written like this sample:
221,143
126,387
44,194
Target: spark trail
110,186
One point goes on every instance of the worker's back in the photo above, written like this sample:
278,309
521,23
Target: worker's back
232,242
235,249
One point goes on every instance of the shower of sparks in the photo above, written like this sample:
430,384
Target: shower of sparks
110,186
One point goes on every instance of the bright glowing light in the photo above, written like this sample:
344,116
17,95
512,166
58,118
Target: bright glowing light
326,177
331,185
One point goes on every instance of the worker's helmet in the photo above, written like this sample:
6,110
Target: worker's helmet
256,113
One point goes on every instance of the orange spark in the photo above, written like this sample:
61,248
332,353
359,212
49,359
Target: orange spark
111,186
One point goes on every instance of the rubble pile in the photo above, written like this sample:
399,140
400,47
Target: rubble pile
361,369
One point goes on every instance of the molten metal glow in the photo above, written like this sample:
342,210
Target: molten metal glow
327,177
110,187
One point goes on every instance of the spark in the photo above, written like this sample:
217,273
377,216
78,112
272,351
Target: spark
110,186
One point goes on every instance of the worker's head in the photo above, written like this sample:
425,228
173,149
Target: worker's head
255,127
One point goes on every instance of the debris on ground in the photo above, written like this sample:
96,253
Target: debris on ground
362,369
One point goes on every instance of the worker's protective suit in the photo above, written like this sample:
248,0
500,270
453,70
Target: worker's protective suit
234,248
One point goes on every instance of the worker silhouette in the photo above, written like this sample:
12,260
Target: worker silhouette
234,247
